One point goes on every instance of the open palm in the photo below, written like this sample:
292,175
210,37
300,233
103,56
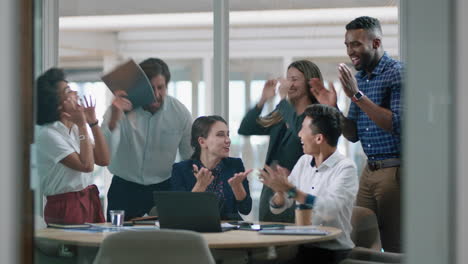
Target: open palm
321,93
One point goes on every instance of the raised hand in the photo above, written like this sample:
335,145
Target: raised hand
268,91
238,178
120,101
236,185
73,112
89,109
120,104
285,85
348,81
321,93
204,178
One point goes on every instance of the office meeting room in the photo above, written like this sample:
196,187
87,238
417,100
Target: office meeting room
232,131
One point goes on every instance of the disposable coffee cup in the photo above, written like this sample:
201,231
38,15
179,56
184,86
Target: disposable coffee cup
303,215
117,217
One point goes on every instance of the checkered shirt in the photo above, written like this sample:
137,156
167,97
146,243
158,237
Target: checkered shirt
384,89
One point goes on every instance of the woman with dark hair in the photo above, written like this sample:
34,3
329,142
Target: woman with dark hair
210,168
66,154
282,125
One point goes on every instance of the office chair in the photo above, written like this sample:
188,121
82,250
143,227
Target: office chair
374,257
366,237
162,246
365,231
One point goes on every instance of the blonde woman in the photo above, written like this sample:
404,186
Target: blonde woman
282,125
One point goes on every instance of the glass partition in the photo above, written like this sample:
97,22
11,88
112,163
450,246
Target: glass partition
265,37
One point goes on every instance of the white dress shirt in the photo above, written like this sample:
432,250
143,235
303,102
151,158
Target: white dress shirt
334,184
144,146
55,142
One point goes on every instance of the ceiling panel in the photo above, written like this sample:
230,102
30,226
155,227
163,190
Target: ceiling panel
120,7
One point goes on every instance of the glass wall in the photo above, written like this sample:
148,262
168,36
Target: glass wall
265,37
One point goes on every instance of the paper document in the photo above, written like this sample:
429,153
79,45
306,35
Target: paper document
65,226
295,230
130,78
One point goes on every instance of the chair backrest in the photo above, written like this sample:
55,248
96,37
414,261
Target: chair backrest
365,231
162,246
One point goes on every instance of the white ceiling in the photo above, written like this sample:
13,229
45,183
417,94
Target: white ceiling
120,7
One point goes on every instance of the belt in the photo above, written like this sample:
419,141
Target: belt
381,164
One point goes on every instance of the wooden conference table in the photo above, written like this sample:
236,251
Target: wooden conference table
234,239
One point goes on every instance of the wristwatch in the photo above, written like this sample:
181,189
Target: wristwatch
292,193
357,96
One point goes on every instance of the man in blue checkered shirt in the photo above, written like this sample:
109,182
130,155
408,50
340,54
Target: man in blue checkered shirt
374,119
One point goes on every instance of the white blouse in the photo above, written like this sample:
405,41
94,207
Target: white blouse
55,142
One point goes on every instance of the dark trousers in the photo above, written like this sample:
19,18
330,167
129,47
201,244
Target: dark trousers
309,255
379,190
134,198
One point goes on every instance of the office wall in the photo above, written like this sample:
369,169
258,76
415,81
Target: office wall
10,123
462,127
428,42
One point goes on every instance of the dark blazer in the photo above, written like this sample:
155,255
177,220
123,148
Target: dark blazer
183,180
285,147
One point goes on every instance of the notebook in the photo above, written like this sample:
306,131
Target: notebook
292,230
188,210
130,77
65,226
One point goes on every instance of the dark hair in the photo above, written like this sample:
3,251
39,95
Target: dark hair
154,67
48,96
369,24
310,70
326,120
201,127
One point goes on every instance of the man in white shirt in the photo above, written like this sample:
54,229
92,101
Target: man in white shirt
144,143
323,179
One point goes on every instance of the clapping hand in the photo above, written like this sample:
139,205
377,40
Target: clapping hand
204,178
321,93
268,92
285,85
347,79
236,185
277,180
238,178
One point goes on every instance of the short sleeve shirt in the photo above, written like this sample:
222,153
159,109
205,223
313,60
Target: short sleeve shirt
55,142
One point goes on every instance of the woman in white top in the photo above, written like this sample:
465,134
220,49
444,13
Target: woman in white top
66,153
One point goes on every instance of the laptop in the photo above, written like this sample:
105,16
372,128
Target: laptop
194,211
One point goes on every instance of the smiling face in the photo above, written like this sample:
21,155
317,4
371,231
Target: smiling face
310,140
298,84
362,49
217,143
160,91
